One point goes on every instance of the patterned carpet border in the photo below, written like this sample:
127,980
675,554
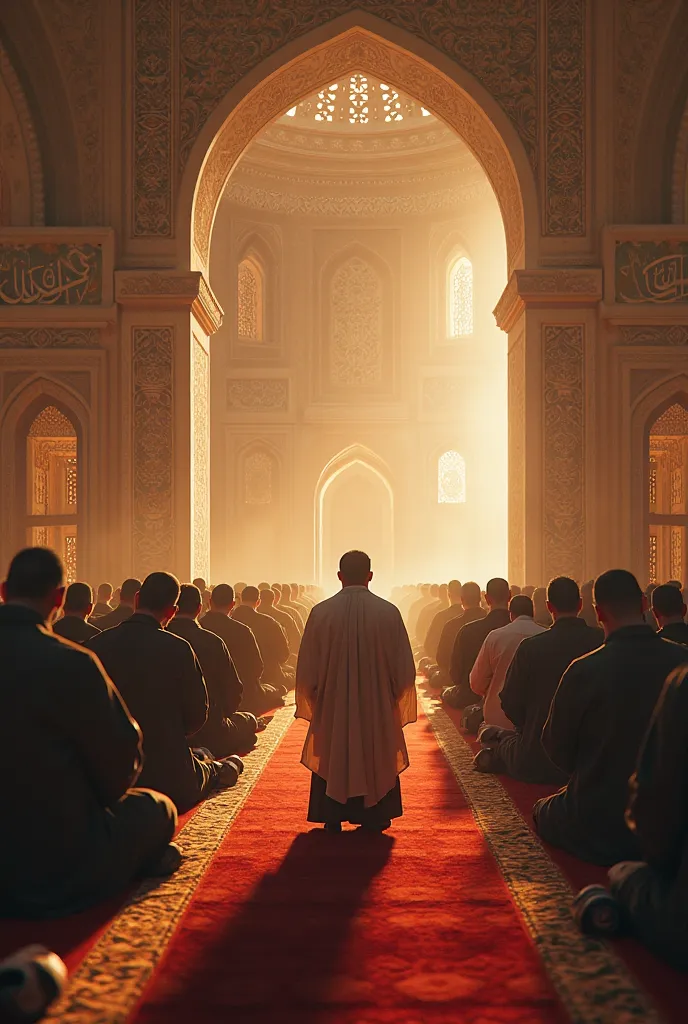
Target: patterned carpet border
593,983
111,978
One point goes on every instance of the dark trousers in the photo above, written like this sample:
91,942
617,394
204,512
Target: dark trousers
651,911
554,824
323,808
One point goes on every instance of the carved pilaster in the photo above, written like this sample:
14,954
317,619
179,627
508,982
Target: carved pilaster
201,460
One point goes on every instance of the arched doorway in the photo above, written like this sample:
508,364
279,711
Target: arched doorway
354,509
52,486
667,506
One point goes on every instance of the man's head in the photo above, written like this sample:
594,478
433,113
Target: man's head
263,586
78,600
105,593
470,595
286,593
434,591
675,583
200,584
267,597
250,596
294,587
354,569
515,591
528,591
238,591
454,591
563,598
158,596
127,595
190,602
520,605
497,593
668,605
277,591
619,600
222,598
444,589
34,579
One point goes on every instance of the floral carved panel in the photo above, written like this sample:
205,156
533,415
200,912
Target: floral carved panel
49,337
564,450
356,306
153,445
517,460
258,393
201,461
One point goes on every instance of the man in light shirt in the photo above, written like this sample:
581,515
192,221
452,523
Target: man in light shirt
491,666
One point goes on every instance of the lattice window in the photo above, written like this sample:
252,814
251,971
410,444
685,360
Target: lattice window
258,479
460,305
70,481
676,490
356,310
451,479
676,552
250,299
653,484
70,559
50,422
652,567
325,103
358,99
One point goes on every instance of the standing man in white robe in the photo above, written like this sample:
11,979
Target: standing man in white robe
355,684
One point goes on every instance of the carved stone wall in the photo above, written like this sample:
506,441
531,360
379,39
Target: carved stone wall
564,450
49,337
258,393
201,461
517,460
153,448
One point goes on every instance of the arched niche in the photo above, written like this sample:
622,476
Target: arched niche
356,478
358,42
16,419
257,508
259,247
22,197
649,408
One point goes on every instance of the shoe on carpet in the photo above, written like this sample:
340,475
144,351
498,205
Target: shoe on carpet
596,911
30,980
167,863
227,773
236,761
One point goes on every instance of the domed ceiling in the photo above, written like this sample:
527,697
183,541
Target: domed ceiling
358,145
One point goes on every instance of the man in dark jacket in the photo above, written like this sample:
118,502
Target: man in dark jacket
227,730
267,607
74,833
125,608
470,611
77,608
654,894
470,639
270,637
258,697
441,617
596,725
531,682
159,677
669,610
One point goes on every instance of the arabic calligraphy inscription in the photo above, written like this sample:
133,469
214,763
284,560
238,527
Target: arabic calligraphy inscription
51,274
655,272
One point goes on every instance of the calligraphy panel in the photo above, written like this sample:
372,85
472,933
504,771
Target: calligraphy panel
51,274
651,271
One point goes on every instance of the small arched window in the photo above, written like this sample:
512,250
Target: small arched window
460,298
52,486
250,300
451,479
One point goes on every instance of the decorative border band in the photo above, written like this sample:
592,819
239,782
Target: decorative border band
591,980
112,976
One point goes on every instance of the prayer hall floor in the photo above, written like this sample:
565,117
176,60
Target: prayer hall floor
457,914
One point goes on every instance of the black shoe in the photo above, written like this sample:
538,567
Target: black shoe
227,773
167,863
333,826
597,912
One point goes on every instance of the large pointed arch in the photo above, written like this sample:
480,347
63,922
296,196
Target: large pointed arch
358,42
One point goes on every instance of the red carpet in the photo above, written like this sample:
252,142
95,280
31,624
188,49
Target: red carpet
668,988
292,924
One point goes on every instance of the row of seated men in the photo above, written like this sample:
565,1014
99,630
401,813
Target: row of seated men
109,721
600,711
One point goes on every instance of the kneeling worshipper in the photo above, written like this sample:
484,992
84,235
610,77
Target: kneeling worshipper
355,684
669,610
653,894
77,608
599,716
531,682
227,730
270,637
267,607
470,639
490,668
125,608
159,677
470,611
74,832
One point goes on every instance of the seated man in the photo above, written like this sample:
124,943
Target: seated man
669,610
125,608
654,894
427,614
490,668
77,608
441,618
284,607
74,832
470,639
158,675
470,611
267,607
270,637
103,599
596,725
258,697
531,682
227,730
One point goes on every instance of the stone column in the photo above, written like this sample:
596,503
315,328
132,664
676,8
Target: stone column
550,317
166,322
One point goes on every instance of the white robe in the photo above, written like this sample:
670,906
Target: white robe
355,684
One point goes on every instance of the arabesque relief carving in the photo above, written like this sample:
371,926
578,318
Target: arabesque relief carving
255,393
201,461
153,447
358,50
28,136
661,334
517,460
49,337
354,206
564,450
